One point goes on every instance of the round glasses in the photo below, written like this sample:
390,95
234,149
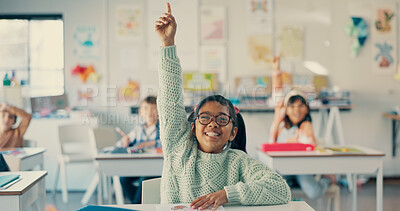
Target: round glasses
221,119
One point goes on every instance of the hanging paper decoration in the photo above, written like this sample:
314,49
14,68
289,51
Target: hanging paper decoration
130,92
357,28
86,73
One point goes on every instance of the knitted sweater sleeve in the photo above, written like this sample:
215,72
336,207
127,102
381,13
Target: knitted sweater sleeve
174,128
259,185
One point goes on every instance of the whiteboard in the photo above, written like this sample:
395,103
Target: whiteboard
186,13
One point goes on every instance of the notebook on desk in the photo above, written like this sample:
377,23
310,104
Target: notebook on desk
103,208
287,147
7,179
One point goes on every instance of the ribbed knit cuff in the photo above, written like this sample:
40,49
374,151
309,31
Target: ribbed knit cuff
232,194
168,52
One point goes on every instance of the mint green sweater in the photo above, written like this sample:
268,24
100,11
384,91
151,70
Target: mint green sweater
188,172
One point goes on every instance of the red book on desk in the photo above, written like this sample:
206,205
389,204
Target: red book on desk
287,147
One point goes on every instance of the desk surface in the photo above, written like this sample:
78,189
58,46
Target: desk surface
293,205
365,153
391,116
23,152
28,179
126,156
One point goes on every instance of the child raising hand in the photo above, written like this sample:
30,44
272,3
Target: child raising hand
12,137
200,166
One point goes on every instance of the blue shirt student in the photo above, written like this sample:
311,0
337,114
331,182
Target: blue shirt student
143,136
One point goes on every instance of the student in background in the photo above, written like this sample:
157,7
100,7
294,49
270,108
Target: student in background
292,124
12,137
199,166
146,135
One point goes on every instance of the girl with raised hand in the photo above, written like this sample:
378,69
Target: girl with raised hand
292,124
200,168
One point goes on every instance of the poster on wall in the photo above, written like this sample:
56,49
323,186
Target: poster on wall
186,13
259,16
213,24
290,42
385,53
260,49
385,20
87,42
213,59
129,23
384,38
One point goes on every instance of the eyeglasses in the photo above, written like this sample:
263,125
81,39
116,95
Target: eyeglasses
221,119
301,106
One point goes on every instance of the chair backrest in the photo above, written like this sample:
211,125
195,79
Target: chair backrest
151,191
29,143
103,136
74,139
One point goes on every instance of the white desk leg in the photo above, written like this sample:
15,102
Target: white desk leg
109,190
119,196
354,192
100,189
43,198
379,187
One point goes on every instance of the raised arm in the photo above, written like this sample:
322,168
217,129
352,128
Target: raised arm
26,118
174,128
277,97
165,27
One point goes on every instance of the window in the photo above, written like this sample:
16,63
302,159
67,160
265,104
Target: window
32,46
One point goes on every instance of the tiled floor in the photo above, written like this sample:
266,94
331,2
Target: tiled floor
366,198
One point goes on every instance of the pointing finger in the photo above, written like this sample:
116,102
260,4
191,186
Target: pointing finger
168,8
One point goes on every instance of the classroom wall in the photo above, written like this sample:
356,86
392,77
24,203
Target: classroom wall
324,41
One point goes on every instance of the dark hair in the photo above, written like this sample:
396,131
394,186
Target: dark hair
150,100
239,142
288,123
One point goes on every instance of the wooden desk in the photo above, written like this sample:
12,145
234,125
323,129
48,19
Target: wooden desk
295,163
395,130
24,159
292,206
24,193
124,164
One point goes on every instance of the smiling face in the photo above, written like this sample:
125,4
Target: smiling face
213,137
296,111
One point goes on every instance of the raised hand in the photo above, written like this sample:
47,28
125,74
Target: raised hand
276,62
213,199
125,141
165,27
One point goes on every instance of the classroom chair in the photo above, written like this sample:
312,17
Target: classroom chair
333,194
29,143
73,148
100,138
151,191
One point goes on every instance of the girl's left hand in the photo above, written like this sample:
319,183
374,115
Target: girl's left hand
216,199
